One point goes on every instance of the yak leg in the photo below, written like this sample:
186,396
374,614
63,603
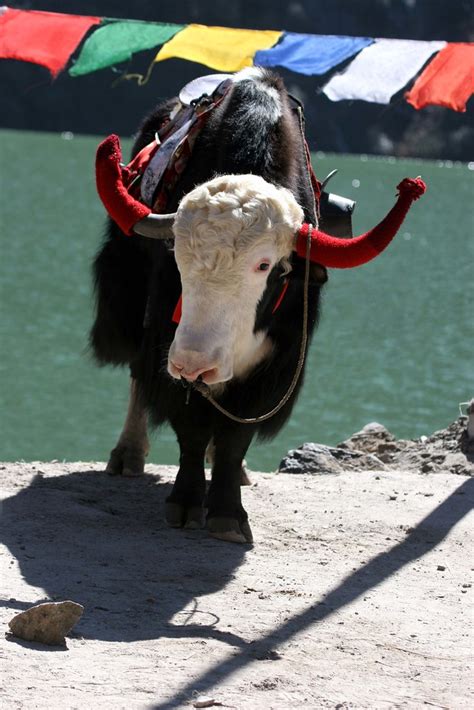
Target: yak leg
128,457
184,506
244,472
227,518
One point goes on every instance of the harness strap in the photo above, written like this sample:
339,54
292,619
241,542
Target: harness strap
205,390
155,170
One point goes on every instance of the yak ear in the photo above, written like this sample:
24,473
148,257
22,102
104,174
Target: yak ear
335,211
318,273
336,215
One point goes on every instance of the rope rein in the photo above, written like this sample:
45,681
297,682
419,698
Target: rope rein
205,390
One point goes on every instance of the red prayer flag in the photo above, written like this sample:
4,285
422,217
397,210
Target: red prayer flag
46,38
447,81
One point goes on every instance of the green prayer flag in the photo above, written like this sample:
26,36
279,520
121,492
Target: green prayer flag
116,40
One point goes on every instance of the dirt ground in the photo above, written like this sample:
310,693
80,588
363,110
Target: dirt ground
356,593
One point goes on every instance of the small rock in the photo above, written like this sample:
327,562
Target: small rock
374,438
459,464
203,701
46,623
441,568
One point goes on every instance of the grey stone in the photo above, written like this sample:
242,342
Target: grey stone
310,458
205,701
323,460
46,623
459,464
374,439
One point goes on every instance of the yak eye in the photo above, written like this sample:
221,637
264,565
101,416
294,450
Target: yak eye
263,266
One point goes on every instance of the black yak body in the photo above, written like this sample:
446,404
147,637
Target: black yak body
138,287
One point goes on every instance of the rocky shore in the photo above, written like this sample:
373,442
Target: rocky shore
449,450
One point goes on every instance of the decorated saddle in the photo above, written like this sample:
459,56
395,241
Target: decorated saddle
152,174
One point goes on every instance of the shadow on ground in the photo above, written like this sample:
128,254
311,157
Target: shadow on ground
102,542
420,540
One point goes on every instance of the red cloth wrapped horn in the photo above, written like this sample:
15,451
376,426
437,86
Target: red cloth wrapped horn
346,253
112,181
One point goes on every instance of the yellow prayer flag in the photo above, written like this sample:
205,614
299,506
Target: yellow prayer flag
221,48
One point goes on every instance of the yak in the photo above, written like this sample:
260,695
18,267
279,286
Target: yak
212,305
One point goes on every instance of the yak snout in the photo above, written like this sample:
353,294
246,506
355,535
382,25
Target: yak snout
190,364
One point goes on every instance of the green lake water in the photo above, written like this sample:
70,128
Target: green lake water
395,344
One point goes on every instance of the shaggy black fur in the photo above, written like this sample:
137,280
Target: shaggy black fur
134,275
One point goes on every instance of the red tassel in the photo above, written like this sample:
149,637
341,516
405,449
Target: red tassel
177,313
110,178
412,187
347,253
280,297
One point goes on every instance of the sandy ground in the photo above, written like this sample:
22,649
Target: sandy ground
356,594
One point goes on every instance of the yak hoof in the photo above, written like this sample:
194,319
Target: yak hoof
195,518
175,514
178,516
230,530
126,461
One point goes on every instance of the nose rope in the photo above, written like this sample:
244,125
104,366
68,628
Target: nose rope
205,390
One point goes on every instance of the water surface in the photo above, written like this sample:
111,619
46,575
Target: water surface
395,342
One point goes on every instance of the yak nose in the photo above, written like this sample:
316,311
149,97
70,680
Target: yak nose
205,374
191,364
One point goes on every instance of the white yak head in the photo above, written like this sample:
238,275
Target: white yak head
229,234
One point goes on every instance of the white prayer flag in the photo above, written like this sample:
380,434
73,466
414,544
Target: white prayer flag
382,69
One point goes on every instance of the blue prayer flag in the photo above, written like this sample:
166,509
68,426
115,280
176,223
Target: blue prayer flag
311,54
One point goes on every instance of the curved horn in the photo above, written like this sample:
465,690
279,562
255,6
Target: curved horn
347,253
124,209
156,226
131,215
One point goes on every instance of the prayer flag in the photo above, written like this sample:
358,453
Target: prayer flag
447,81
311,54
116,40
46,38
382,69
378,69
221,48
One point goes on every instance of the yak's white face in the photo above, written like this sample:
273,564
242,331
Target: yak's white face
229,234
